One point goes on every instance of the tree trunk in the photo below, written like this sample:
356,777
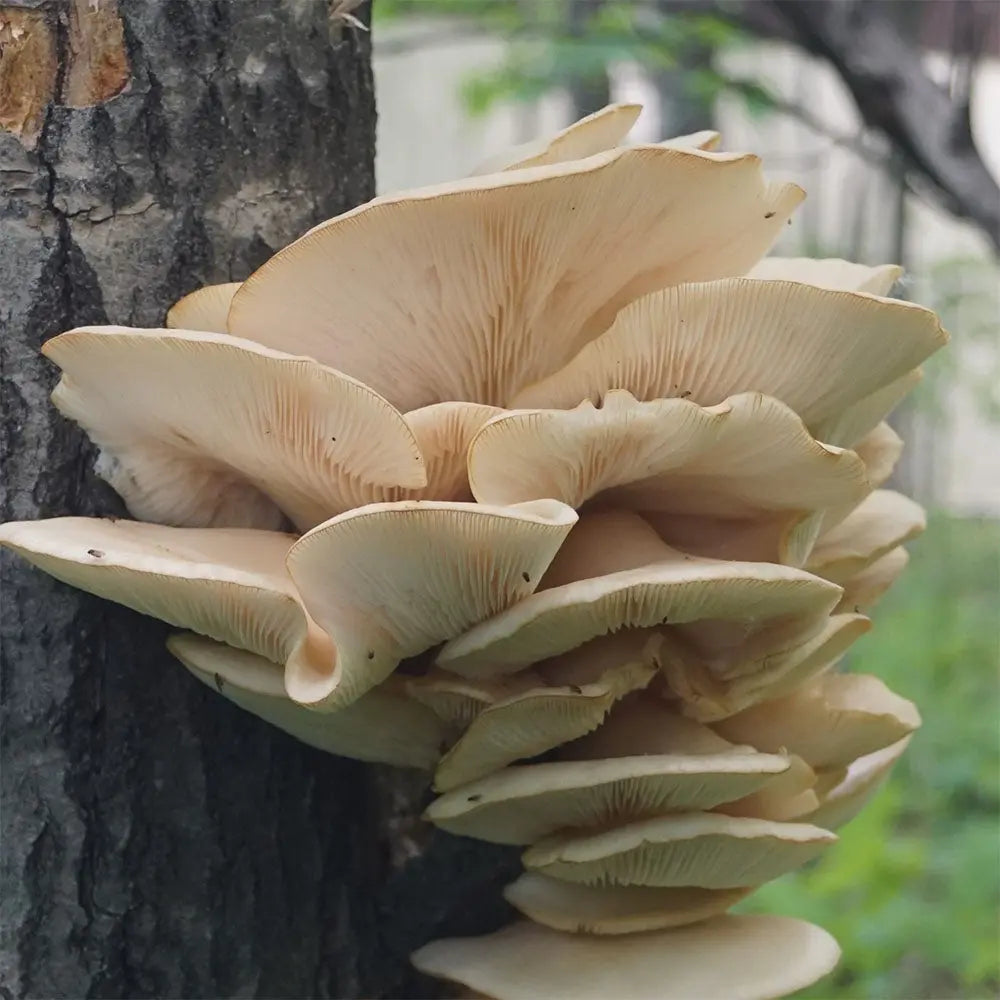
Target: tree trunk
157,842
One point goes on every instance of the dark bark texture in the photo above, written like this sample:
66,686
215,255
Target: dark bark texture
157,842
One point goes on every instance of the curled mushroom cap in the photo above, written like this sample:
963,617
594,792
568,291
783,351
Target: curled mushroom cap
874,528
388,581
615,573
709,341
204,309
863,589
520,804
604,129
614,909
742,460
851,424
831,272
697,848
472,289
286,434
382,726
828,723
864,777
736,957
229,584
536,720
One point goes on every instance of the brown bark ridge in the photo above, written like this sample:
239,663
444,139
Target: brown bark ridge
157,842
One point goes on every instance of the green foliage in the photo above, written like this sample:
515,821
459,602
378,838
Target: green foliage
912,891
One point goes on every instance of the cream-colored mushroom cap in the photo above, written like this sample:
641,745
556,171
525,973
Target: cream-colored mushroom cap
472,289
520,804
730,957
697,848
830,272
229,584
790,795
747,458
612,573
534,721
834,720
614,909
863,589
604,129
851,425
202,429
382,726
816,350
874,528
204,309
864,777
388,581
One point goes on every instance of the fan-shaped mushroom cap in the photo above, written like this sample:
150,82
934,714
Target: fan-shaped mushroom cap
615,573
707,696
614,909
864,589
457,700
382,726
874,528
472,289
388,581
830,272
226,432
711,340
744,459
229,584
865,776
851,425
706,140
520,804
602,130
880,450
640,725
736,957
205,309
697,848
790,795
536,720
833,721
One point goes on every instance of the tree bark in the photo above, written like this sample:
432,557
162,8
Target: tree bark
157,842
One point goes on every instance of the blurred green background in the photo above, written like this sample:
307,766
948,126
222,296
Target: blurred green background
912,891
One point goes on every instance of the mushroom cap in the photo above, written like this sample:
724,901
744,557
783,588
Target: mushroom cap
830,272
834,720
457,701
854,422
472,289
863,589
745,458
706,139
880,523
382,726
287,434
712,340
226,583
614,909
790,795
389,581
204,309
520,804
603,596
735,957
707,697
602,130
864,777
534,721
693,848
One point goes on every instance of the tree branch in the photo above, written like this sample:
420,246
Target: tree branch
894,95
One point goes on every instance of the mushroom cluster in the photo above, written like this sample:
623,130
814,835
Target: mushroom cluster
549,482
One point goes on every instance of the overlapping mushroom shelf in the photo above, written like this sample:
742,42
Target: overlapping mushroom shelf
607,482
